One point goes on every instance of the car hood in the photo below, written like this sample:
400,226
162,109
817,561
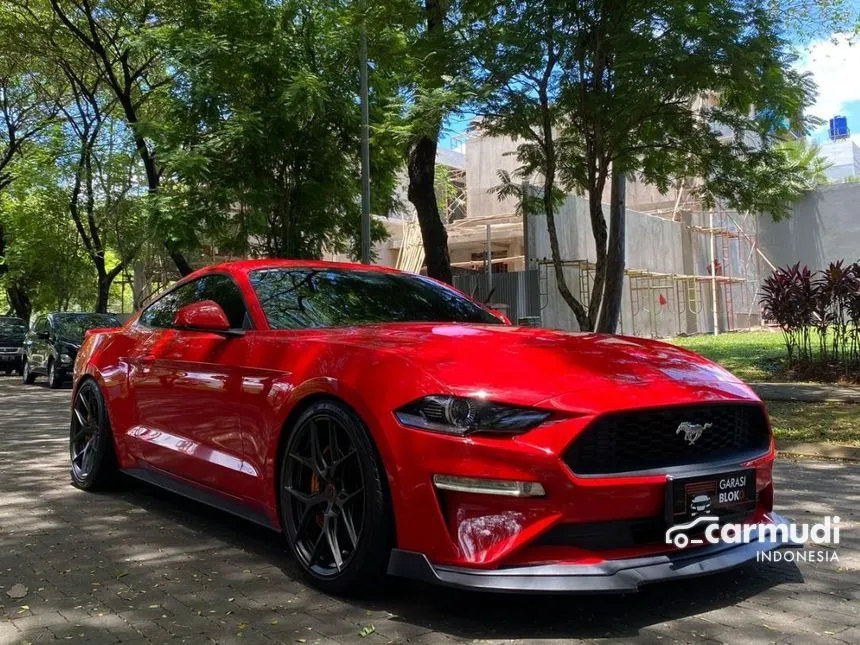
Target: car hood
12,341
70,342
573,371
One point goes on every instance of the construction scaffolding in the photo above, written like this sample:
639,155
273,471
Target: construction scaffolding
718,293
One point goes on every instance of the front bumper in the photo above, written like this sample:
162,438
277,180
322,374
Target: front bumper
609,576
11,358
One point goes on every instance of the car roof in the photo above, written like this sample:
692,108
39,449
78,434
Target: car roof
246,266
56,314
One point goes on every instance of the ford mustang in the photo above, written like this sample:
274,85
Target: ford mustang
385,422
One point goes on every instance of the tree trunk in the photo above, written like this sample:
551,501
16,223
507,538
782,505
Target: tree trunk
599,232
421,165
421,159
103,294
20,301
613,288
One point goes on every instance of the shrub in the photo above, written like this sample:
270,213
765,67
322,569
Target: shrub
824,303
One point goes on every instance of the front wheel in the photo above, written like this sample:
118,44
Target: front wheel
91,450
335,509
27,377
55,376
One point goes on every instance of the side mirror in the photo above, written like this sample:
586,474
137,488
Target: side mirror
99,330
501,316
205,315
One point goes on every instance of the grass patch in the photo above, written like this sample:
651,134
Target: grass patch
751,356
815,422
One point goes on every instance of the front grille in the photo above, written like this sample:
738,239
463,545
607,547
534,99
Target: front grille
650,439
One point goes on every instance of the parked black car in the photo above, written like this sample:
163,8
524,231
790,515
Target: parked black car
53,342
12,332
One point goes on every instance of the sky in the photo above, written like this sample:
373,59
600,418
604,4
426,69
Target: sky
834,64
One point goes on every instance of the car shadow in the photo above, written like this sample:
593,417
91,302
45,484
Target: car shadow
467,614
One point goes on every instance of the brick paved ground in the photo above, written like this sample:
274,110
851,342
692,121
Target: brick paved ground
143,566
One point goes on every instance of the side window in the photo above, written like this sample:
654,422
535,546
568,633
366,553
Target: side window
225,292
162,312
41,324
219,288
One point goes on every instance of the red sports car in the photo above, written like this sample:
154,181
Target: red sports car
386,422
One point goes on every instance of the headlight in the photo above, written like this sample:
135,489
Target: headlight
65,359
459,415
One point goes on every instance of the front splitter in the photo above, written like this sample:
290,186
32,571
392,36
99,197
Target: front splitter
610,576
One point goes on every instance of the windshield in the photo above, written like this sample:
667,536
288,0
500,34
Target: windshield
305,298
73,326
12,327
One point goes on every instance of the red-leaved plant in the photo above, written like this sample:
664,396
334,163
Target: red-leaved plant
825,302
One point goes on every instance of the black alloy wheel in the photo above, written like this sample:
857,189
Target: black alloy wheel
90,440
27,377
334,503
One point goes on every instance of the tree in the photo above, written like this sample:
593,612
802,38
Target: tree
430,60
102,176
43,253
267,127
807,20
599,89
122,39
427,115
26,109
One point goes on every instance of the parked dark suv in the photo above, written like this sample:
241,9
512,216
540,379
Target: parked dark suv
12,332
53,341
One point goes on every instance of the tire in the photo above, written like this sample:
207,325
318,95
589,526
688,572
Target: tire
335,496
91,450
55,376
27,377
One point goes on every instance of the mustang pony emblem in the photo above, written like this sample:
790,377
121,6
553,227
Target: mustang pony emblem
692,431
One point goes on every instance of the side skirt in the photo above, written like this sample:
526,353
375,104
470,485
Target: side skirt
198,494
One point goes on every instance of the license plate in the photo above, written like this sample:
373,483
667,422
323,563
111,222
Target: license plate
717,495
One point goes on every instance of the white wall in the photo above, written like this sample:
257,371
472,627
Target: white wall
844,157
652,244
824,226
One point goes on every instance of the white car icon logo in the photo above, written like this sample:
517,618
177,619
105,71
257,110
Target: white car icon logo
677,534
700,504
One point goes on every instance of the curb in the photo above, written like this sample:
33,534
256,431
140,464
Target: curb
807,392
818,451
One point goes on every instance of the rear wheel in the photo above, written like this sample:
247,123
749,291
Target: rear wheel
27,377
334,503
91,450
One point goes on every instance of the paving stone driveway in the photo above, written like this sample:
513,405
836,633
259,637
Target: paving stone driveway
144,566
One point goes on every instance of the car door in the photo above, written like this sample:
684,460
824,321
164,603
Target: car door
183,383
